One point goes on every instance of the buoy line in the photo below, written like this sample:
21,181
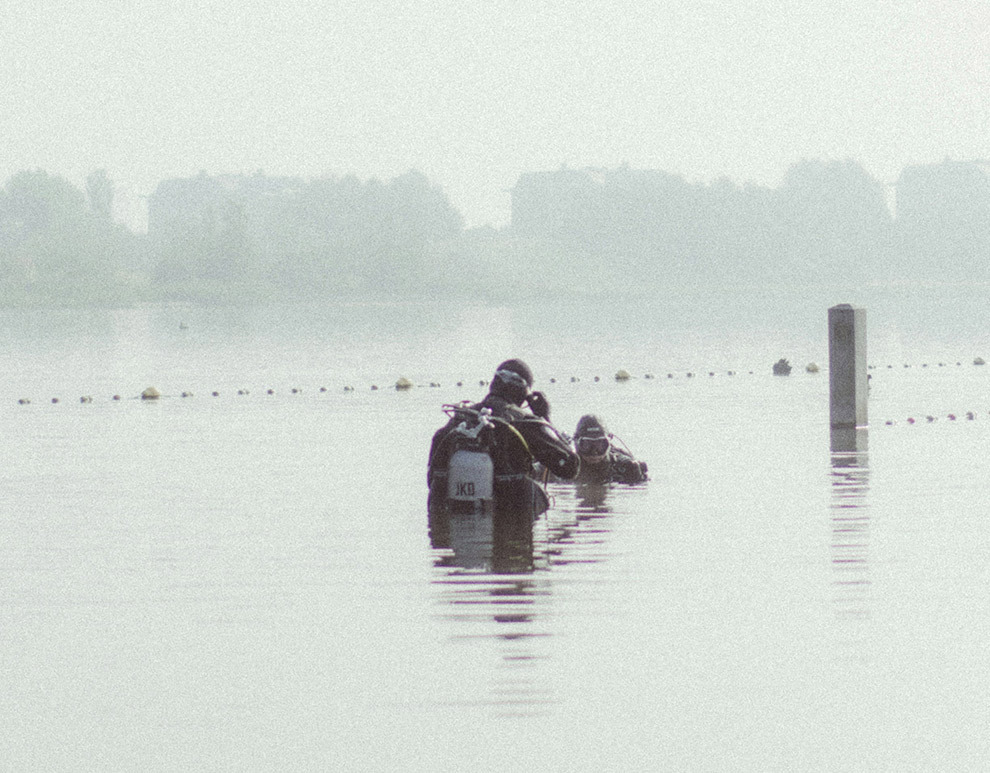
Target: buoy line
931,418
621,376
401,385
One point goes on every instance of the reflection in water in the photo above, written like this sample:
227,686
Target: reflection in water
494,575
577,534
851,532
485,564
497,542
591,497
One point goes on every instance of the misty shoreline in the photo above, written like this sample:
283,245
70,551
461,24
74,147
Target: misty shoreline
601,235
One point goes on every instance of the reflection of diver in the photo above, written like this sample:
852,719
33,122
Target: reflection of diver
486,454
602,461
591,497
491,541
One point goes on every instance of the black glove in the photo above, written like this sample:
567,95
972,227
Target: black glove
538,404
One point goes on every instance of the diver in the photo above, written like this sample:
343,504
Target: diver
602,461
511,425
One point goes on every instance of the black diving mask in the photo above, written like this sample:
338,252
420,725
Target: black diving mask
592,446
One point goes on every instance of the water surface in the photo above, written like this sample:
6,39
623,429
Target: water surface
250,581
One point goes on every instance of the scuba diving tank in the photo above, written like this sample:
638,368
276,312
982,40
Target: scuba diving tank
470,480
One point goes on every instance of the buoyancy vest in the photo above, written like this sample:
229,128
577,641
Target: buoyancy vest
472,453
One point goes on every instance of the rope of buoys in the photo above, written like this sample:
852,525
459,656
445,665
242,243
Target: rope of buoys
403,384
889,366
931,419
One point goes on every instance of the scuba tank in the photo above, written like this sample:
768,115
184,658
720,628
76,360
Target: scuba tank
471,479
470,470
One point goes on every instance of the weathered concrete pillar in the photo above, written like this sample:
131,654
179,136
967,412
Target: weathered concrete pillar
851,442
848,381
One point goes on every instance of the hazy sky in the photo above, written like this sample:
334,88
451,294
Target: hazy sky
473,95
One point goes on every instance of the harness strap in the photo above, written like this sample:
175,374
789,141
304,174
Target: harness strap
517,433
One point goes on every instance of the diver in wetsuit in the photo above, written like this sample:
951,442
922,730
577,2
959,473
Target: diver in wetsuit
522,434
602,461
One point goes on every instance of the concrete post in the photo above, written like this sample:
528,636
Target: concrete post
847,377
849,443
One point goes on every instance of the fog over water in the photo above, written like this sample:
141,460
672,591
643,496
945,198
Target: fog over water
242,574
473,97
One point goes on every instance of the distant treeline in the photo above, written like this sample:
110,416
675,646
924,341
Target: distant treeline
829,223
256,238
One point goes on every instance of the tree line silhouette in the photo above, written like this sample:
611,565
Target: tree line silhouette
257,238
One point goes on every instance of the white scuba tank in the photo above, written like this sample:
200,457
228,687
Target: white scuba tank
471,478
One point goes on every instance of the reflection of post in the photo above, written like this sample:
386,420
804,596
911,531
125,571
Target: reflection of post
847,377
849,445
851,530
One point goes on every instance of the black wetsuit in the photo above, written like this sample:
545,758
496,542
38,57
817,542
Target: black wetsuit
618,466
542,442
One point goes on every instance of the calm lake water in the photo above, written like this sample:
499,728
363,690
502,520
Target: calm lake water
248,582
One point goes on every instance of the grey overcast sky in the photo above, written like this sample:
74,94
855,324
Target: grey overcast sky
472,95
